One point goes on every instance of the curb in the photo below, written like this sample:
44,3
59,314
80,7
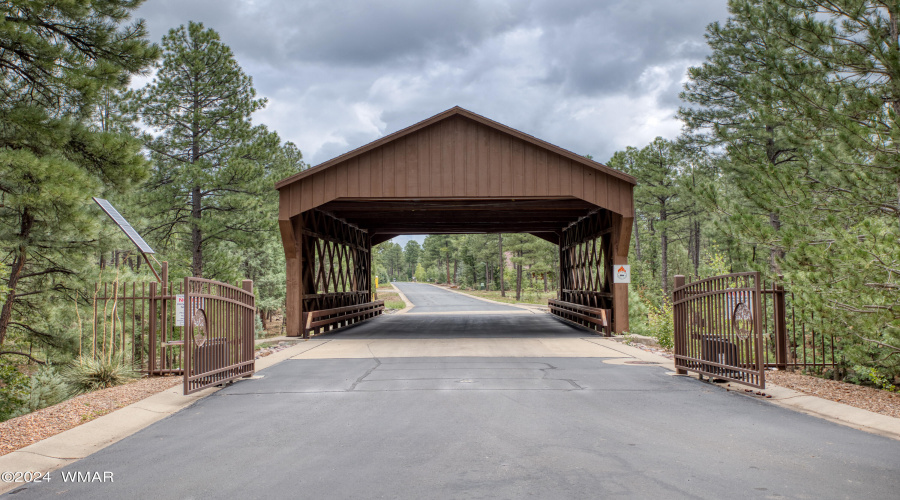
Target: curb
409,305
838,413
78,442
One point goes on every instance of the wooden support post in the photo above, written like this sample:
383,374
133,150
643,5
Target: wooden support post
621,236
293,299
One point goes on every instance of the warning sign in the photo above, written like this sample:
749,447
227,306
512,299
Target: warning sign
621,273
179,310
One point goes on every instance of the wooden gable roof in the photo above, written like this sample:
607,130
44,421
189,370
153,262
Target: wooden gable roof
457,154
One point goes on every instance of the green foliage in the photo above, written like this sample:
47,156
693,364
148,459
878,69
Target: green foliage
806,111
638,312
867,375
421,275
86,374
661,323
211,184
411,256
45,388
57,60
13,391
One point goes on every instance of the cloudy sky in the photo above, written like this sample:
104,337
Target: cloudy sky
592,76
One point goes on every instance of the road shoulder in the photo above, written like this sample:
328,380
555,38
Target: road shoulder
74,444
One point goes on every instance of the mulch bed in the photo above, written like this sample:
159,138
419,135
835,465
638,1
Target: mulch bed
22,431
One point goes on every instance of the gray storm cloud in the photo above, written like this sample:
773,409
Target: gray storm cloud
590,76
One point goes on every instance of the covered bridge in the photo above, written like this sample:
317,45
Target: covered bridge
456,172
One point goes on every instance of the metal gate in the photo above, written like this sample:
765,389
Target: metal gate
219,333
718,330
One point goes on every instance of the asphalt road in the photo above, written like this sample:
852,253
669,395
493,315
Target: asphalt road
482,427
431,299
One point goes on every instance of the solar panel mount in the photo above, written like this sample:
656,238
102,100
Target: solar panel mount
123,224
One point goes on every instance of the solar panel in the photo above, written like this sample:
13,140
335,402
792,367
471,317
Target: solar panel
124,226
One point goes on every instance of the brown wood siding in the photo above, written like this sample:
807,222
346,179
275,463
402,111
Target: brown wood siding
457,158
470,134
412,173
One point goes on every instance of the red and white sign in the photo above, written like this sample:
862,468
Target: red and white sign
179,309
621,273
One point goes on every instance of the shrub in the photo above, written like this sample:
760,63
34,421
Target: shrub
13,391
46,388
87,374
661,323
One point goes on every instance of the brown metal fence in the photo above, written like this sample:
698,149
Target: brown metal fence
735,326
718,328
792,340
135,321
140,323
219,333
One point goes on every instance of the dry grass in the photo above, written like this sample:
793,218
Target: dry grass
22,431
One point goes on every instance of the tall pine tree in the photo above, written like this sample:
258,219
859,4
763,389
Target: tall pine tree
211,175
56,61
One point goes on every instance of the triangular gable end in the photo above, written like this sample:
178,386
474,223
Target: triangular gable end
457,154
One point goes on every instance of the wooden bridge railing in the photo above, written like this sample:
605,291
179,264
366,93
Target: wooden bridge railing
591,317
339,317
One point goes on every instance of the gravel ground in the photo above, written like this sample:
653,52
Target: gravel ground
22,431
266,351
866,398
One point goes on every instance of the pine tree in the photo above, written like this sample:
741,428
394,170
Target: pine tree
411,256
56,60
741,99
847,254
658,193
211,173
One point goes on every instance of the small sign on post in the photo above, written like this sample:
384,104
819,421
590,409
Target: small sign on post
179,309
622,273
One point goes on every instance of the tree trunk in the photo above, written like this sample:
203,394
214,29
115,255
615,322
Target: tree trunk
196,235
448,271
545,281
518,282
502,268
455,271
14,272
196,202
637,240
664,250
775,253
262,318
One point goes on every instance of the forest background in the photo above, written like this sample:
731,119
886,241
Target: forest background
788,165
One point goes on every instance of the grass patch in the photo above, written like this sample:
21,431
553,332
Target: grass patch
528,297
394,304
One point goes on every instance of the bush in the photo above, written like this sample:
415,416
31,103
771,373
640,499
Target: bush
86,374
661,323
13,391
45,388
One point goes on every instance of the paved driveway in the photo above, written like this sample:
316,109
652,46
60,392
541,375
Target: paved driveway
431,299
483,406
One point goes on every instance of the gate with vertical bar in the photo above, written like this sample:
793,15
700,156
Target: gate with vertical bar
219,333
718,329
